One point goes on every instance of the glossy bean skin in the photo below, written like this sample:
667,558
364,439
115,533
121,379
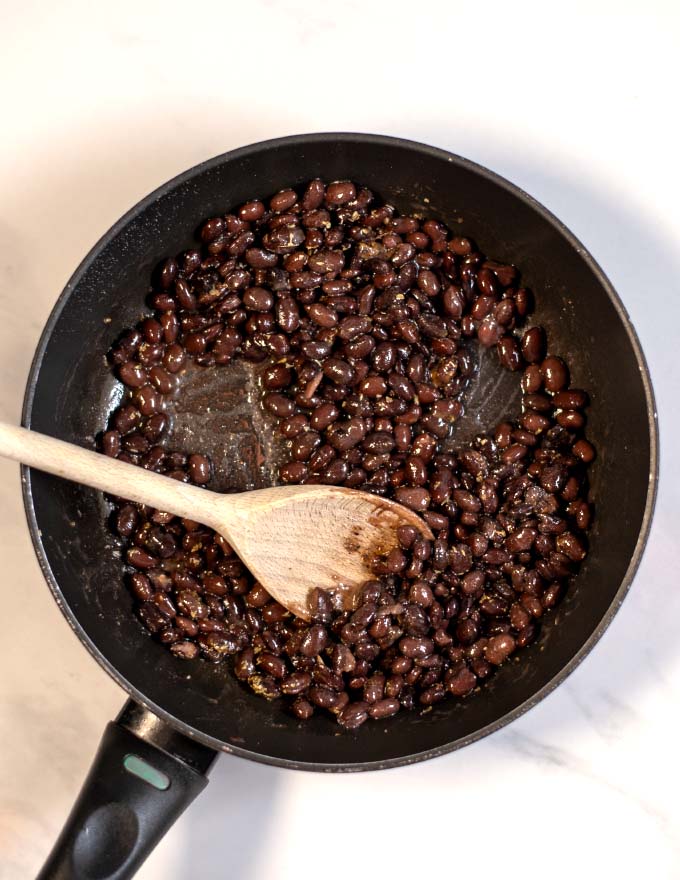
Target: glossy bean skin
534,345
509,353
555,374
340,193
199,469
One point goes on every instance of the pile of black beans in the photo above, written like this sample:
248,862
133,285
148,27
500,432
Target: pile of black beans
362,323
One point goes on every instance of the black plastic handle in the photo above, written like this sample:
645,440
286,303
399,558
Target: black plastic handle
144,775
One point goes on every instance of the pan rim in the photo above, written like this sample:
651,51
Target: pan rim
376,140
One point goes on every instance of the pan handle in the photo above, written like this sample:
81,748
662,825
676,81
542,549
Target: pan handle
144,775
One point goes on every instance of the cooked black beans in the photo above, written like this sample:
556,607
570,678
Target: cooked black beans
534,345
258,299
555,374
199,469
358,321
509,353
132,374
340,193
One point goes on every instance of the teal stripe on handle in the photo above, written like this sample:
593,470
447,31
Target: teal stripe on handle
135,765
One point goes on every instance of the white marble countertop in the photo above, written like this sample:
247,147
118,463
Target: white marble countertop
102,103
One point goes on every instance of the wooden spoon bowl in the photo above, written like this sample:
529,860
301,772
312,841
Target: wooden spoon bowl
292,538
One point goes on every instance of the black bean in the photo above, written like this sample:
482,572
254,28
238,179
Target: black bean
379,442
132,374
526,635
580,510
141,586
534,345
162,302
421,594
260,258
374,688
174,358
432,694
258,299
168,273
244,664
279,404
271,664
164,605
212,229
336,473
573,398
460,682
323,416
196,343
467,631
305,281
571,546
293,426
413,647
251,211
540,402
338,371
499,649
535,422
162,380
170,326
314,641
384,708
199,469
415,498
183,295
215,585
584,450
555,374
140,558
509,353
326,262
415,471
152,330
353,715
277,377
532,379
324,697
302,708
570,419
428,282
283,200
216,645
296,683
304,445
111,443
323,315
489,332
191,261
340,193
460,558
313,195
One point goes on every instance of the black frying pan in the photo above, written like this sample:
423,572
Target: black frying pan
153,760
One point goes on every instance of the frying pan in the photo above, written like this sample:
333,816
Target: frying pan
154,758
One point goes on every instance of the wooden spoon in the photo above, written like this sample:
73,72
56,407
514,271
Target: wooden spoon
292,538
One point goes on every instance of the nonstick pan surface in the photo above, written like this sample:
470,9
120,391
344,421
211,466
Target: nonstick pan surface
71,391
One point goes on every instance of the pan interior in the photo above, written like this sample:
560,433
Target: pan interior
74,391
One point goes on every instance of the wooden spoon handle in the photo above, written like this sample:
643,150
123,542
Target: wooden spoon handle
101,472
